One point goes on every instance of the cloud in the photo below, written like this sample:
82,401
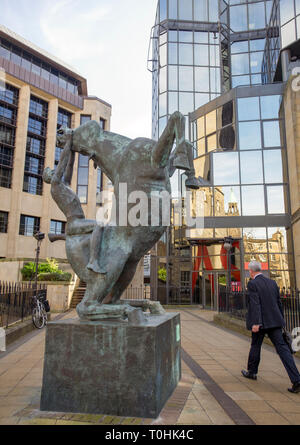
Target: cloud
71,30
105,40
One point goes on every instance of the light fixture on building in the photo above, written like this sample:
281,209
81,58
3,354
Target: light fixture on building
228,243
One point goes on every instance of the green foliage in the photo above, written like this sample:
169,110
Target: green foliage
162,274
51,266
28,271
55,276
48,271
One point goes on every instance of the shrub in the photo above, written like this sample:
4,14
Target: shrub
55,276
48,271
28,271
51,266
162,274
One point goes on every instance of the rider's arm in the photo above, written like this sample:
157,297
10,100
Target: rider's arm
63,162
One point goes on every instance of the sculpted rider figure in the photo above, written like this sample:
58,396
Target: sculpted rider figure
106,257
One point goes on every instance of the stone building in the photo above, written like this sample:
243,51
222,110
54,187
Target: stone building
37,95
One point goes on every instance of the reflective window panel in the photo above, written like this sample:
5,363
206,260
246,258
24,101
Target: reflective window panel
253,200
226,168
250,135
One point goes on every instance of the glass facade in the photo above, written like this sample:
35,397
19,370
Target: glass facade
64,119
283,32
36,66
83,169
9,97
35,147
244,180
239,146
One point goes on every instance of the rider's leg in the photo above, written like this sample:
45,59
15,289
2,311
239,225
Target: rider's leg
63,162
61,193
69,169
95,249
101,286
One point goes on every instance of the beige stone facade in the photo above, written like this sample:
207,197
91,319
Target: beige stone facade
290,112
15,201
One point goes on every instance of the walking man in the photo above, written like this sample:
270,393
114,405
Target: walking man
265,316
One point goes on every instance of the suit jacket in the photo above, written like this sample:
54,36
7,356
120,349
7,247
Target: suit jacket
264,305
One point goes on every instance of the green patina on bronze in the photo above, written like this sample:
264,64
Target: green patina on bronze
106,257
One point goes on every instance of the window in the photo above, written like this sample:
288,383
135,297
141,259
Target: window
38,107
37,127
5,177
29,225
7,115
250,135
64,118
85,118
36,146
102,123
9,95
7,135
83,178
253,200
271,134
58,151
36,66
57,227
33,184
251,167
226,168
34,165
3,222
6,157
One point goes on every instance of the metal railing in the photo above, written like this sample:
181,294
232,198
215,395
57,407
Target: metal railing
16,301
235,303
137,293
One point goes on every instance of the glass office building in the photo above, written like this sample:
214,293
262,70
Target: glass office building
216,62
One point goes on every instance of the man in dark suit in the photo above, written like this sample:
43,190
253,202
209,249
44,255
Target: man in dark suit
265,316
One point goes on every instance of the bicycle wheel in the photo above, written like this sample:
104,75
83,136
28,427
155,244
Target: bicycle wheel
44,312
38,318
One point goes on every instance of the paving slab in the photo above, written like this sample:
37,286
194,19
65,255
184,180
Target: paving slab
217,352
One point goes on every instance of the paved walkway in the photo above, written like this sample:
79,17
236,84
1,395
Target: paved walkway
211,392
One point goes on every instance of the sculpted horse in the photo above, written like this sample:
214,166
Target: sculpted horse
106,257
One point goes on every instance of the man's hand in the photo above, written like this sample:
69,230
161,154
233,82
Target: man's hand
255,328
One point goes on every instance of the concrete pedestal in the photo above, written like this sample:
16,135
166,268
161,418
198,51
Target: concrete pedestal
111,367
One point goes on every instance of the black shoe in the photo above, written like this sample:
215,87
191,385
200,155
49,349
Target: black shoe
295,388
248,375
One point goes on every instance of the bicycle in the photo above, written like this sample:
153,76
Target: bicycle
39,314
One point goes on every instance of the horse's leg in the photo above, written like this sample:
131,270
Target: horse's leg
182,157
123,281
175,130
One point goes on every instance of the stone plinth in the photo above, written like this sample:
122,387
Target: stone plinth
111,367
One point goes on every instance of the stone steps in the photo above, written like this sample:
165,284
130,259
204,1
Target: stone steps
78,295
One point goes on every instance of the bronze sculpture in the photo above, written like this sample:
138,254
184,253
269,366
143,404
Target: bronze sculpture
106,257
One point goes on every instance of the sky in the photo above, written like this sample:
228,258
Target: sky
105,40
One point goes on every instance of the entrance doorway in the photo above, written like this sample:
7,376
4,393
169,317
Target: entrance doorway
213,286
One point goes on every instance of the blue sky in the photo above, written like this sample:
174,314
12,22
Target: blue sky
105,40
